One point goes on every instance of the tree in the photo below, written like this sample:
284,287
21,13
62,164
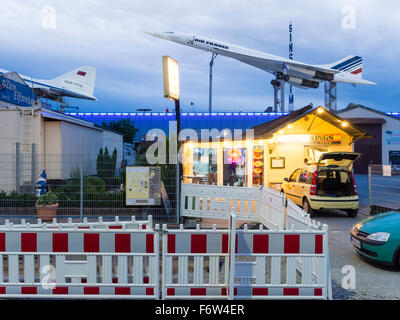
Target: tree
106,165
124,126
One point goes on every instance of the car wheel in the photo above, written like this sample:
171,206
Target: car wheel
307,208
352,213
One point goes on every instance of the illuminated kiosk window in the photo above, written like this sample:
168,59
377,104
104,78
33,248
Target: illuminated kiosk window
235,163
258,166
204,166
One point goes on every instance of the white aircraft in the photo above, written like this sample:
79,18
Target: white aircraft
304,75
77,83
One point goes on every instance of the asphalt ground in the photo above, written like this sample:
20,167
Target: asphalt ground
372,281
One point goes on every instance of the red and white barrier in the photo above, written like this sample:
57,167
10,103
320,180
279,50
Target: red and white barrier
109,263
199,256
259,260
115,261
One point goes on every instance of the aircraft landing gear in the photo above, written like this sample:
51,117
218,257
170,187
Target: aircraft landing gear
282,76
279,84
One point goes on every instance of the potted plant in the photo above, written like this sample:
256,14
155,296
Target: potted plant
47,206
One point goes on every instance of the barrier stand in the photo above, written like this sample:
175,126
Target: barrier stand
232,242
284,211
329,279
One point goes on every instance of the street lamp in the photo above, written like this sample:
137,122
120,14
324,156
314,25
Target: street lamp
171,91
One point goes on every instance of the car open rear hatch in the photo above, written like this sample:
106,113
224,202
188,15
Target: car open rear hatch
333,175
337,159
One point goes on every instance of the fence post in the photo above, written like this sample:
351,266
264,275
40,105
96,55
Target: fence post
163,261
17,166
328,280
284,211
33,166
178,192
157,260
232,245
81,187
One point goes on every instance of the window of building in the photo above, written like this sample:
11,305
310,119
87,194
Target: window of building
235,163
204,166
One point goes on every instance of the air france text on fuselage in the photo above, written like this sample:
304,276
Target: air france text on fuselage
214,44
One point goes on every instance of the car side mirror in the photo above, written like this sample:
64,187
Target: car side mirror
286,179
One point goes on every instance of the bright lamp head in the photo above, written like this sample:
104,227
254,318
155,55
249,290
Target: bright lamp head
379,236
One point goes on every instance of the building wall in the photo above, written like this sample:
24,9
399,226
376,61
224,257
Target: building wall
77,140
58,146
14,128
51,156
294,151
391,124
9,130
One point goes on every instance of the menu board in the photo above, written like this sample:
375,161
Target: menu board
258,165
143,186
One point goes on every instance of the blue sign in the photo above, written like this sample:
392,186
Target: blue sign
16,93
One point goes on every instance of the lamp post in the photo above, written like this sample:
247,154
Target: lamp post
214,55
171,91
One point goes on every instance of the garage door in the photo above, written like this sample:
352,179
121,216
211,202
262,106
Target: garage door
371,149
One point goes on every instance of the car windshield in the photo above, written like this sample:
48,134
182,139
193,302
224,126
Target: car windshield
335,163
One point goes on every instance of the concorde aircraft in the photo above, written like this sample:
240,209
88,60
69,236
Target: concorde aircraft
77,83
304,75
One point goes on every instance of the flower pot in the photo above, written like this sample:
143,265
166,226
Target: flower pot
47,212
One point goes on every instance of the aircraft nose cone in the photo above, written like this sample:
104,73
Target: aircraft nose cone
157,34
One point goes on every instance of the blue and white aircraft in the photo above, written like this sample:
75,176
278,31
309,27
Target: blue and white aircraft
304,75
77,83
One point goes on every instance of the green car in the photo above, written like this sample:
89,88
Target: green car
378,238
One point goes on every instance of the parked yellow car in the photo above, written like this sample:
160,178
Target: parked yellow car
325,186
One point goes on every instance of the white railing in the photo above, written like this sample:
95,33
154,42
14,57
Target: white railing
211,201
264,205
100,224
298,219
272,208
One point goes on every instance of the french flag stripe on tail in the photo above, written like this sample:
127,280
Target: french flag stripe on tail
348,63
351,66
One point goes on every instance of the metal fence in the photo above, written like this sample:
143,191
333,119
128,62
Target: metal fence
84,185
384,188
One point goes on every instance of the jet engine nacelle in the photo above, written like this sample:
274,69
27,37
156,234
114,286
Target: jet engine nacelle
323,76
304,82
312,73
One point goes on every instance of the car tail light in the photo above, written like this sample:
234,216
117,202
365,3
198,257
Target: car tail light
354,184
313,189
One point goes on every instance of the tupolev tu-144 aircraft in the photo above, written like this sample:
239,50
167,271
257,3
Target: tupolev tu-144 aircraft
299,74
77,83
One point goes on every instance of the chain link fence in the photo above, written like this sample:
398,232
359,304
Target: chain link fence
384,188
83,185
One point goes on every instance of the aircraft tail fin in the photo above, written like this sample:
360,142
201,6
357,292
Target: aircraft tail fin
80,80
351,64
